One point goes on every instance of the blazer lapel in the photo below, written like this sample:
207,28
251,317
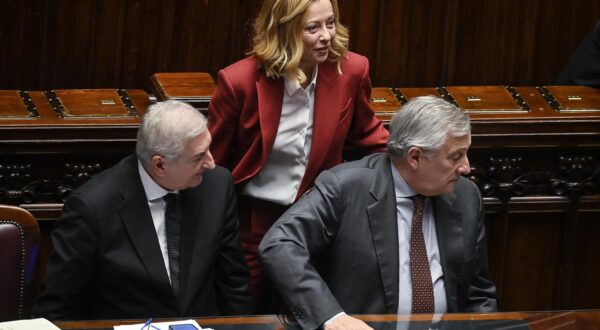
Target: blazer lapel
384,229
325,119
137,220
270,101
451,246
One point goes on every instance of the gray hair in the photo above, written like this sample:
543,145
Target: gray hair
425,122
166,128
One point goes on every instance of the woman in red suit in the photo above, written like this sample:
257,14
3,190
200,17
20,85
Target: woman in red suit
284,114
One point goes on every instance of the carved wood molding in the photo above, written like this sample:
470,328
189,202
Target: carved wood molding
505,177
501,176
18,184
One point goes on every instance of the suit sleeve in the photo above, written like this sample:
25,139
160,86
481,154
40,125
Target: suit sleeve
367,132
289,246
481,296
71,266
223,118
232,274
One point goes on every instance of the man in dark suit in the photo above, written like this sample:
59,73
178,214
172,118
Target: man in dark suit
123,249
347,244
584,66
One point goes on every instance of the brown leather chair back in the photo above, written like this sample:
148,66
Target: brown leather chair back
19,243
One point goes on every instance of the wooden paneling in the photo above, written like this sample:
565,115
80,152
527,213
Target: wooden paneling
534,251
108,43
111,43
541,252
541,238
584,267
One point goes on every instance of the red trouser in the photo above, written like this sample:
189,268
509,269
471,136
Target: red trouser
256,217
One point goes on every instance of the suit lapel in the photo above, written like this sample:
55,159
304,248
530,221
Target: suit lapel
270,101
451,246
192,215
384,230
137,220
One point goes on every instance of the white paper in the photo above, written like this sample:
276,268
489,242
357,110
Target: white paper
159,325
37,324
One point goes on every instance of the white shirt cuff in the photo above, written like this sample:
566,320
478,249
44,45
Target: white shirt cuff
333,318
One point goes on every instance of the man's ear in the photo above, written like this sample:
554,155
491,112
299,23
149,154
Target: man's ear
158,165
413,157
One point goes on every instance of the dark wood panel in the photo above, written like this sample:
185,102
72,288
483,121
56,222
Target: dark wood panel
584,266
361,17
541,252
530,262
110,43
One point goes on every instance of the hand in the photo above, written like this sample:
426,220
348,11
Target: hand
346,322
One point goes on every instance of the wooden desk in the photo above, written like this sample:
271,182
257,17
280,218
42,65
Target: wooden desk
589,319
194,88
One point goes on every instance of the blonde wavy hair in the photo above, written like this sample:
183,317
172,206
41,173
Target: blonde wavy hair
278,38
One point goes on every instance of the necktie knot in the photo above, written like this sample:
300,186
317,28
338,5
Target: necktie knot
170,199
418,197
419,206
171,210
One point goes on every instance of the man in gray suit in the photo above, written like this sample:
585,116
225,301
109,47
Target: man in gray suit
346,245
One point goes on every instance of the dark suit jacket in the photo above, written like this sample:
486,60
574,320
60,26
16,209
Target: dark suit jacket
584,66
107,263
337,247
245,109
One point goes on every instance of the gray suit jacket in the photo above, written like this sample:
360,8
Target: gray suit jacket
337,247
107,262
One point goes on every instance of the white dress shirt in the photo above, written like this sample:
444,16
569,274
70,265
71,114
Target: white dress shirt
404,213
158,206
279,179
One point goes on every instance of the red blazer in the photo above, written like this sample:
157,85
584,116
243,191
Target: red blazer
245,109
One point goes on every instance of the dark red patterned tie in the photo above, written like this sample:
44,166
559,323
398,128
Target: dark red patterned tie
422,287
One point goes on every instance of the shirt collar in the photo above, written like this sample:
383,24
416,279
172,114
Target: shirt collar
292,85
401,188
153,190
